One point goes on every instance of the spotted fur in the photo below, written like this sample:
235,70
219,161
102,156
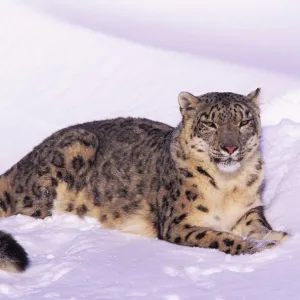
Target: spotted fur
196,185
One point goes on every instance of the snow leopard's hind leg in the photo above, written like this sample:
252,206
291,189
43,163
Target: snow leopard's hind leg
56,176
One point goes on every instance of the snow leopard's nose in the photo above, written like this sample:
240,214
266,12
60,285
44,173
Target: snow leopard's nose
230,149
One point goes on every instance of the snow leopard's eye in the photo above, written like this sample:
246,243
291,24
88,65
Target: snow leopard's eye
209,124
245,122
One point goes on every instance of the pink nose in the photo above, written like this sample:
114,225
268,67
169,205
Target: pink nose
230,149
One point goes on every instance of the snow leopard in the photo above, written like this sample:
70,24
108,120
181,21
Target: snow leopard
198,184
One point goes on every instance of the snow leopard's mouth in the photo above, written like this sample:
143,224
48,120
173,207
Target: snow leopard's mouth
227,159
228,164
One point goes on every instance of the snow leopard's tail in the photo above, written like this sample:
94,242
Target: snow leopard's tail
13,258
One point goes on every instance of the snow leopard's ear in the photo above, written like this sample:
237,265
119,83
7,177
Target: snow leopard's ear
254,97
188,103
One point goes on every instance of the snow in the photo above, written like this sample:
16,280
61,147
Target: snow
74,61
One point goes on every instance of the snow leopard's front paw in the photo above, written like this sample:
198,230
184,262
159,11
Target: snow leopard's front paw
254,246
279,236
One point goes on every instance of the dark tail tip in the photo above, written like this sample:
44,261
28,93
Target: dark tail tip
13,257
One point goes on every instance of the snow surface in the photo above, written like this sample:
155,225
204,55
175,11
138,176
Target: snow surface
61,64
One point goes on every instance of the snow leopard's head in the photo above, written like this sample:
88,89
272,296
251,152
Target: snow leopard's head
226,126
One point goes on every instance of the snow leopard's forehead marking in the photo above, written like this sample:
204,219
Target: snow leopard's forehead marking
226,107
